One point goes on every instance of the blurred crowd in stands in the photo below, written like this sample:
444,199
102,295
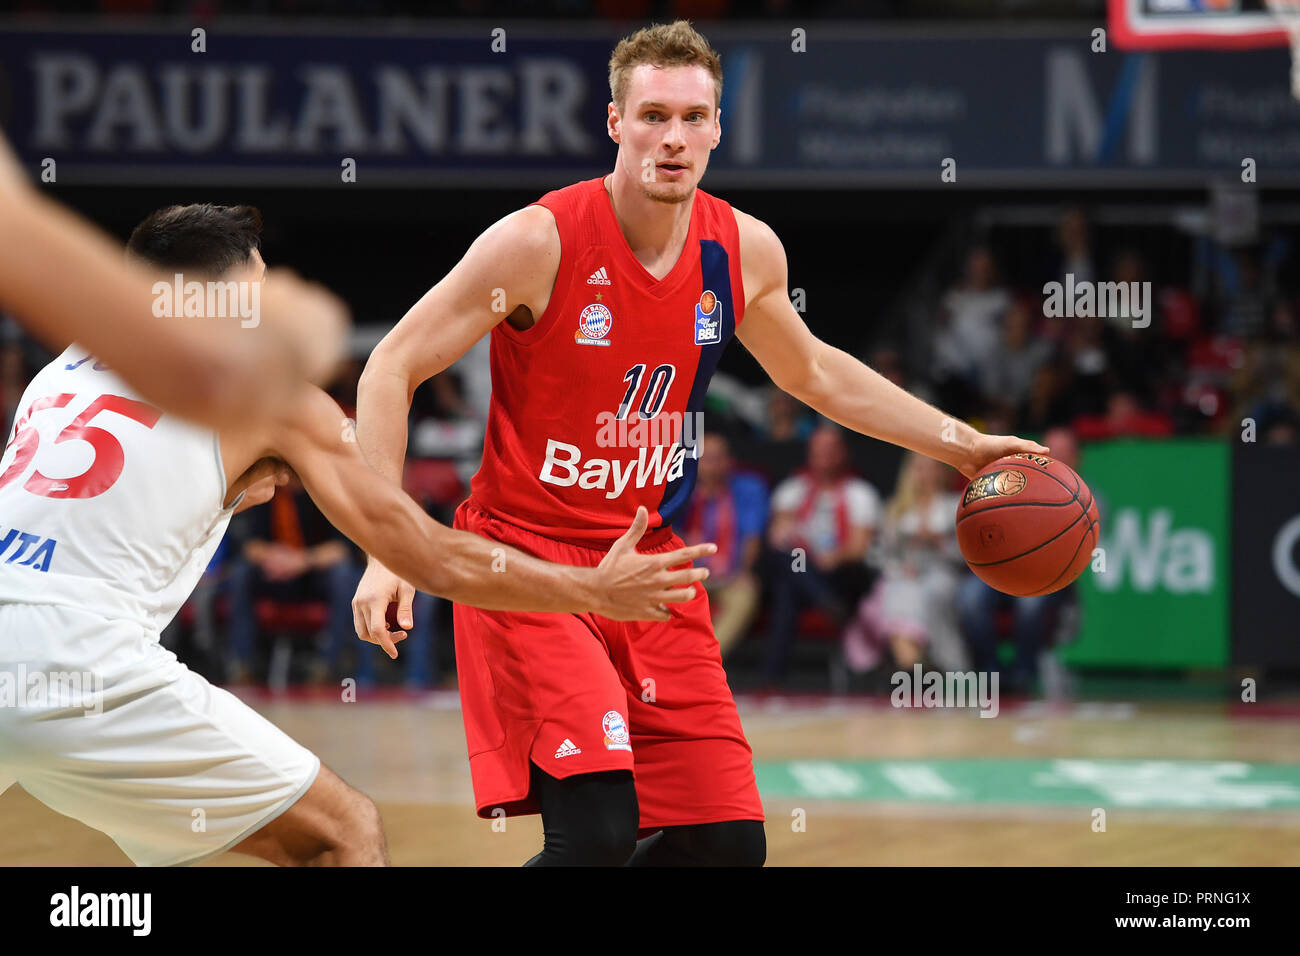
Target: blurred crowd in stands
836,552
1214,353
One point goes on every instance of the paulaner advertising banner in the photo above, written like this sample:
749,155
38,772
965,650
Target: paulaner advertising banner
822,105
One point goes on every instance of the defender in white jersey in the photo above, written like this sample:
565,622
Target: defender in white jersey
110,511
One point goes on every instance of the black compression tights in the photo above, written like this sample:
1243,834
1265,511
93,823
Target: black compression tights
591,819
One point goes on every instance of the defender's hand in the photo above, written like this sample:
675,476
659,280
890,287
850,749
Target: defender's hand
636,587
380,587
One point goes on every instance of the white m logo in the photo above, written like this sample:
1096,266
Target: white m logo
1074,117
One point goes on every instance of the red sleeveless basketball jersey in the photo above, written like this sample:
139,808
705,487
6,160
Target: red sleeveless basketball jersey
596,408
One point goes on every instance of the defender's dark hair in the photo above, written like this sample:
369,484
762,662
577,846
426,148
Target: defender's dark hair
200,237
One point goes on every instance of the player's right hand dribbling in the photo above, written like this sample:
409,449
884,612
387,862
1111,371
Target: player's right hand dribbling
379,588
638,587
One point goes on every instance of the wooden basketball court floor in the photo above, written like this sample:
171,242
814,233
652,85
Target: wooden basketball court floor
844,782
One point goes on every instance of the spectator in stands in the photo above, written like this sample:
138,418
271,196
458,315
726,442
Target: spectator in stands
823,520
1073,249
289,552
1035,621
911,609
418,652
1245,300
970,322
1126,270
780,448
1267,385
436,487
1282,327
1049,402
729,508
1282,427
1090,375
1139,359
1124,418
1010,373
449,412
469,396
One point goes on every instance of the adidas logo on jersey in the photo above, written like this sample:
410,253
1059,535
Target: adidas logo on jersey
567,749
599,277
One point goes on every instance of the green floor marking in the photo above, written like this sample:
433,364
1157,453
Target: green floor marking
1141,784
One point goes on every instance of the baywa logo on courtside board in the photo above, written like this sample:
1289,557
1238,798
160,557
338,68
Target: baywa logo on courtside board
1151,554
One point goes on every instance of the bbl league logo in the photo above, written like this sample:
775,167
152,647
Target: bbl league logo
708,320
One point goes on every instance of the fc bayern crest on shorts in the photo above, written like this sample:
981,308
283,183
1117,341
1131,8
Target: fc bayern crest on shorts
616,737
593,325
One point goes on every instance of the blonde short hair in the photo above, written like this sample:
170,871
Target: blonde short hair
662,45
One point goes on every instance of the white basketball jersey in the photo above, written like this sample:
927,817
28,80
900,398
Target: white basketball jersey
106,504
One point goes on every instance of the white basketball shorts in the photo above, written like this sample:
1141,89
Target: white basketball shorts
101,723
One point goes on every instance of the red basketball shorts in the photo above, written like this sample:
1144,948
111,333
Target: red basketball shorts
579,693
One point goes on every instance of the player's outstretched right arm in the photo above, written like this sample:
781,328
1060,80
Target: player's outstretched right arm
467,568
510,267
67,282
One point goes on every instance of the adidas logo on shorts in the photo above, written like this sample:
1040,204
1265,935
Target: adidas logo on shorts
599,277
567,749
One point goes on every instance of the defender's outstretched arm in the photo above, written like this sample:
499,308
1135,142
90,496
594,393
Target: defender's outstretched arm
464,567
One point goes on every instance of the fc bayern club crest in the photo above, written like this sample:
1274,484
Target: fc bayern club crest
593,325
616,736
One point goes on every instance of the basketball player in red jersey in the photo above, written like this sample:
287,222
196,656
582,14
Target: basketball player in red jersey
66,282
609,303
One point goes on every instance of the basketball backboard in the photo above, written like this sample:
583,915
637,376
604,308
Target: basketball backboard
1208,24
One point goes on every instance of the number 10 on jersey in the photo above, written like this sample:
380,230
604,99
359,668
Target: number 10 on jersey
656,390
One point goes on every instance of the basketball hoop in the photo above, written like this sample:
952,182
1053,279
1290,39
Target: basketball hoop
1287,13
1208,25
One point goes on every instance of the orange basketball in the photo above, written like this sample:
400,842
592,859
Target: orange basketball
1027,525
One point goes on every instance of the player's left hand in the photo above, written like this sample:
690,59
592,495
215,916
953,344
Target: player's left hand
989,448
378,590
